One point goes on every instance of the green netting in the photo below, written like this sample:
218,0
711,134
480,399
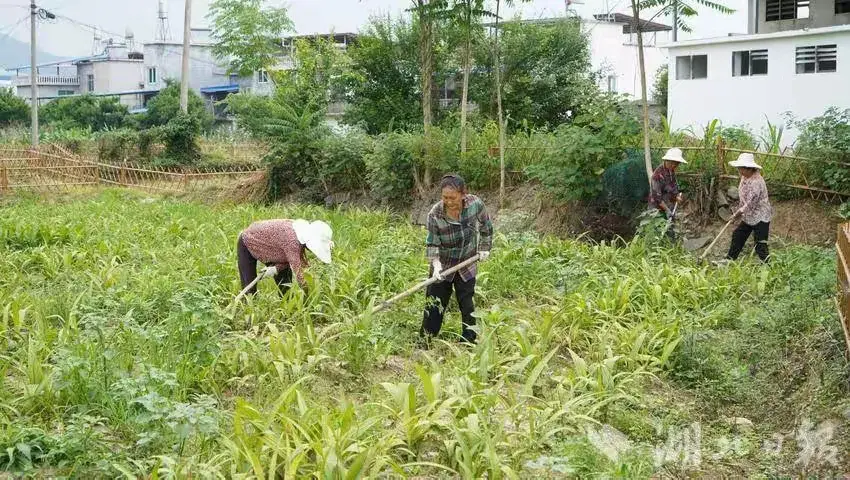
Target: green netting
624,185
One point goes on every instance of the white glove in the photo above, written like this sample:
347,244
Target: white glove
438,268
270,272
483,255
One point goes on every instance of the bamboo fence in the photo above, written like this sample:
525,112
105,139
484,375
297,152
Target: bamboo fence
53,168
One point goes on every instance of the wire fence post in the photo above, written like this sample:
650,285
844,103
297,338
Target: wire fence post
4,179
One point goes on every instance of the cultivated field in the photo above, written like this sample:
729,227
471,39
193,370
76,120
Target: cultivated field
120,358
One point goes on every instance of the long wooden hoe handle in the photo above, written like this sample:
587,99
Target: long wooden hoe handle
385,304
702,257
249,287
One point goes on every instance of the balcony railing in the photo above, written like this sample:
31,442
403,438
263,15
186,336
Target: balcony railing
24,80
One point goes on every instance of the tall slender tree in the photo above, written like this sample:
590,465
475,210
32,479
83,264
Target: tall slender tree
467,15
498,76
426,12
683,11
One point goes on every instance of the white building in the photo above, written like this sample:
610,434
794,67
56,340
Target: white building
115,72
614,52
749,79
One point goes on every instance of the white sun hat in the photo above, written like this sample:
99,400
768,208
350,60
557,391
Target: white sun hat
674,155
746,160
316,236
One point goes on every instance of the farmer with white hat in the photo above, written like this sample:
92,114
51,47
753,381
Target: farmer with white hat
282,246
754,210
664,194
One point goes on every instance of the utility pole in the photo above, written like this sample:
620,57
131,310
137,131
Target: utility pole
33,76
184,78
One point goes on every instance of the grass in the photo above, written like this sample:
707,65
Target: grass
120,358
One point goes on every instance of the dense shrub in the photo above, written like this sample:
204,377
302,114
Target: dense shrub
827,138
572,168
343,163
390,167
13,109
165,106
86,112
294,161
181,141
118,145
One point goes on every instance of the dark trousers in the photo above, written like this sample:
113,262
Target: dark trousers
437,297
739,238
248,270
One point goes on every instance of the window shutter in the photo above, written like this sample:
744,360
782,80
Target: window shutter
806,55
827,53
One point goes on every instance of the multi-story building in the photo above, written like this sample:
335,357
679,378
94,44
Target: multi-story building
115,72
793,63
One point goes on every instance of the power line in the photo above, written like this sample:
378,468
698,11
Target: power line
93,28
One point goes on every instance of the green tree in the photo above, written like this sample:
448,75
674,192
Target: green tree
165,106
318,70
382,88
659,90
317,78
247,34
546,73
13,109
86,112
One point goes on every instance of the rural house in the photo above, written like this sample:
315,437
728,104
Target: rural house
793,63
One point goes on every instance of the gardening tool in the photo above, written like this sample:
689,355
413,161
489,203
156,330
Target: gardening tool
419,286
251,285
711,245
672,216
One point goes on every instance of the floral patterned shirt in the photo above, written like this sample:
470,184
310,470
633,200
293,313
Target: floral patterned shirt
273,242
665,188
754,202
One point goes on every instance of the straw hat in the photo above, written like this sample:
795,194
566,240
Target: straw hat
674,155
746,160
316,236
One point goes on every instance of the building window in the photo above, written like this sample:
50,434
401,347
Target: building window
746,63
152,75
91,82
612,83
65,93
822,58
263,76
786,10
691,67
842,6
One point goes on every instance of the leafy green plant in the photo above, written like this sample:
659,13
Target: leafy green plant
165,107
771,139
181,141
13,109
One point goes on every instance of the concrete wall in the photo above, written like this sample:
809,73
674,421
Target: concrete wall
612,53
205,71
750,101
44,91
821,14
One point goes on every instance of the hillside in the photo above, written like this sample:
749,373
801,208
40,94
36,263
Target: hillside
15,53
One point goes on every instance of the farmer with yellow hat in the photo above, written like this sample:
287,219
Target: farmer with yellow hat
664,194
754,211
281,245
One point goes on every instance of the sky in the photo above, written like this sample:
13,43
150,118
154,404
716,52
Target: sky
64,38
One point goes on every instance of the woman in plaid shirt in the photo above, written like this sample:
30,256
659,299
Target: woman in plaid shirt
458,228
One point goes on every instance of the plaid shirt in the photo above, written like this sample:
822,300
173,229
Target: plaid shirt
665,188
453,241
